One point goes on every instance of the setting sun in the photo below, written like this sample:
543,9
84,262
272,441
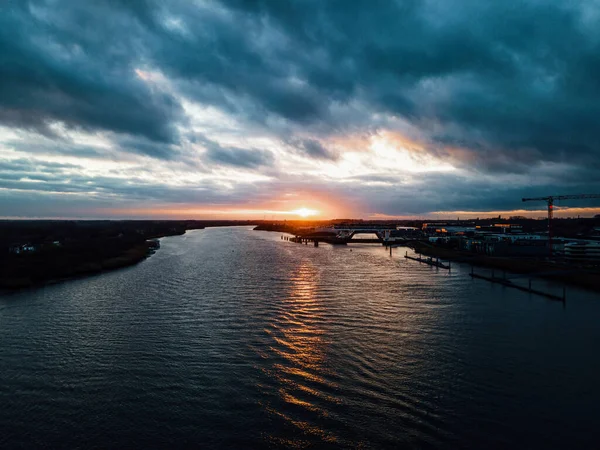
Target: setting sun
305,212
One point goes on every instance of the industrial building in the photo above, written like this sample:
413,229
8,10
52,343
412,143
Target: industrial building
588,251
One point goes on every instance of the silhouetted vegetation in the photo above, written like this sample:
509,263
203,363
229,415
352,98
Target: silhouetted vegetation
566,227
37,252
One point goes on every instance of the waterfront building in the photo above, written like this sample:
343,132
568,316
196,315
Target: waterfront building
583,251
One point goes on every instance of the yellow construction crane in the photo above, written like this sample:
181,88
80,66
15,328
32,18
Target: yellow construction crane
550,201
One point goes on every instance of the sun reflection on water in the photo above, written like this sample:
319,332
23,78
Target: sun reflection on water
299,351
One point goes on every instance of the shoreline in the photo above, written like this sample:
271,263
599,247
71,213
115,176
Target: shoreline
129,257
579,277
63,250
572,275
22,279
589,280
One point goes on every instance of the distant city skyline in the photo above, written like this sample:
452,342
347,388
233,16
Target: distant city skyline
234,109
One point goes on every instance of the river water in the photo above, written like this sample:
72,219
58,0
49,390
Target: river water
233,338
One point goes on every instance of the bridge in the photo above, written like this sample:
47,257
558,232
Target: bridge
349,233
345,235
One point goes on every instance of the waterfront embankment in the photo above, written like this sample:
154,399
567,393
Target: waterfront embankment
580,276
585,277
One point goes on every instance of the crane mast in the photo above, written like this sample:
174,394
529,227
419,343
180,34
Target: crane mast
550,202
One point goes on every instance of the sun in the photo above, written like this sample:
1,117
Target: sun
305,212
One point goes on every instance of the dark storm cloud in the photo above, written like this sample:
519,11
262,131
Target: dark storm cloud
432,192
313,149
147,147
516,78
121,147
74,63
494,87
249,158
239,157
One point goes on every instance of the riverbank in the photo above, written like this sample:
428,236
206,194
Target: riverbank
277,227
587,278
36,253
28,275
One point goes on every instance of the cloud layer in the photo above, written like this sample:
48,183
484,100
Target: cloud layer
363,107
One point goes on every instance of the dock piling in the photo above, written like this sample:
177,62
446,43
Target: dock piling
428,261
509,283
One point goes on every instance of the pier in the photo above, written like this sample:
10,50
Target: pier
508,283
429,261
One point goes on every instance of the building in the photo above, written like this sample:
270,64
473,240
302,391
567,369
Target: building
500,228
501,245
22,248
588,251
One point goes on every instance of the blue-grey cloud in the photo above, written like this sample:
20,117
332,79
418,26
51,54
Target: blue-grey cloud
73,193
497,88
313,149
491,78
239,157
62,63
249,158
487,77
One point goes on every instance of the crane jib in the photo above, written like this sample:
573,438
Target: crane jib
550,202
562,197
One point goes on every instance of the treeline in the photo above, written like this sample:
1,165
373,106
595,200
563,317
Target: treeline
35,252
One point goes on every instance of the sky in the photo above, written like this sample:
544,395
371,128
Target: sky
299,108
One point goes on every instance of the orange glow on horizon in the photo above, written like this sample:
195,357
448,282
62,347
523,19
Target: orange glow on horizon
301,213
468,215
287,207
307,205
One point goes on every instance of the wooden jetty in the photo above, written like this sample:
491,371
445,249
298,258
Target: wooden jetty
429,261
505,282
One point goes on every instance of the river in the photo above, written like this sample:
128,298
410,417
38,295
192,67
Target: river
233,338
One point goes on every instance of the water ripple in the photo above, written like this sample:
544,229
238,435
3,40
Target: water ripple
266,343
